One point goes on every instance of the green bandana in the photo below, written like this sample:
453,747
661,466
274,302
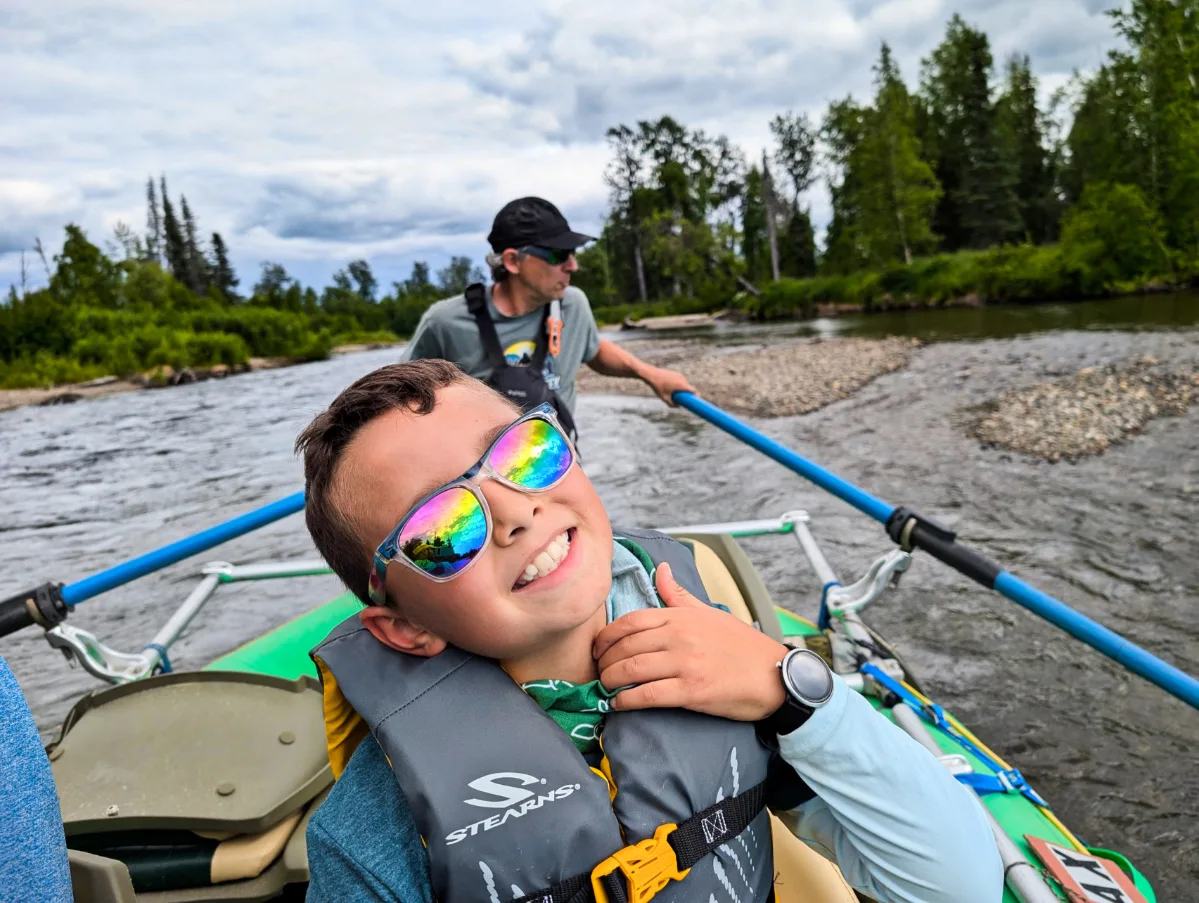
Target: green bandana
578,709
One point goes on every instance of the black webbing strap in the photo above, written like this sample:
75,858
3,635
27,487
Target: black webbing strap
691,841
476,303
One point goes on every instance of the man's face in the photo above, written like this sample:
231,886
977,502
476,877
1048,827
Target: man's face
400,457
544,280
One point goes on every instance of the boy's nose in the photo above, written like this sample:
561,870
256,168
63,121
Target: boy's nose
512,511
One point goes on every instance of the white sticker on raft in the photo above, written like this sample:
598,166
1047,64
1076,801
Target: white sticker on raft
1089,877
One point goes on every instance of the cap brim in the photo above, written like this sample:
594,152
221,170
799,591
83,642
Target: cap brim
566,241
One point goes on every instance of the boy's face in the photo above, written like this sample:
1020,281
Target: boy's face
398,458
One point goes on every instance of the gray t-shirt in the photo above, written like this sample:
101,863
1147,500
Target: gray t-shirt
448,331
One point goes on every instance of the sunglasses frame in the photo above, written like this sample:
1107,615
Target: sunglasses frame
388,550
546,254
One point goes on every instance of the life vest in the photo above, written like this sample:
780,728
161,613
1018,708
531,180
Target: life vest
524,386
508,808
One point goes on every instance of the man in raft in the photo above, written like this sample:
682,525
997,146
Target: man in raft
528,333
535,706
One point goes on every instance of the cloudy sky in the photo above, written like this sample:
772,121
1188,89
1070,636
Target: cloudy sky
313,133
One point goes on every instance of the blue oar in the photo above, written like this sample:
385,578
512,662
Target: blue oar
912,530
48,604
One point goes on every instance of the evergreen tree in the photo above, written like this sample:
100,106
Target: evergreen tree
153,244
754,242
978,207
174,242
843,131
195,276
797,245
224,280
898,190
1022,135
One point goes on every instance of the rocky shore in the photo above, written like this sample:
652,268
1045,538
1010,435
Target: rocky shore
1085,414
158,378
774,381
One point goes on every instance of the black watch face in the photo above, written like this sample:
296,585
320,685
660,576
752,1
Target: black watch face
809,678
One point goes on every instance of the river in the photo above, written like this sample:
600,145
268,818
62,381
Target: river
84,486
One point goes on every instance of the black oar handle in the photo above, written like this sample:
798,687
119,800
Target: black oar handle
912,530
42,605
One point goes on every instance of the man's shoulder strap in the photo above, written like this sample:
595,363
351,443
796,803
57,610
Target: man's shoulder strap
476,303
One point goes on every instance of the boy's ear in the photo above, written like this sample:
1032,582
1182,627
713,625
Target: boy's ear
391,629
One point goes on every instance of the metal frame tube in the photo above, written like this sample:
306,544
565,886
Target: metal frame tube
177,623
1022,877
824,571
739,528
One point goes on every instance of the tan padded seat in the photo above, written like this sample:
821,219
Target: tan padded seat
804,876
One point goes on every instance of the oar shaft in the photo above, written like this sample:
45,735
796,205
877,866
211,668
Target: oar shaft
1131,656
830,482
74,593
963,559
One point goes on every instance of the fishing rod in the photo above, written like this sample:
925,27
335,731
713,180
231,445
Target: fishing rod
912,530
49,604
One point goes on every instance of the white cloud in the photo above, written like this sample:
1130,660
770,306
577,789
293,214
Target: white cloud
311,132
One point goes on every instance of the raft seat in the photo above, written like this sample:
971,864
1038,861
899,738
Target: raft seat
200,790
804,876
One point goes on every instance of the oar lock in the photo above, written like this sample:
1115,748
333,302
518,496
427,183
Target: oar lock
903,521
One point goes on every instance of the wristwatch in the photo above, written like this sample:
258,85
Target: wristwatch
809,685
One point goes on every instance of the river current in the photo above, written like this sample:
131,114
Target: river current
86,485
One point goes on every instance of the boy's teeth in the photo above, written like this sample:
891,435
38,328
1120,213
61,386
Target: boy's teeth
546,561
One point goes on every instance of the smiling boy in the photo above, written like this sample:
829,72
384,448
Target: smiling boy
503,618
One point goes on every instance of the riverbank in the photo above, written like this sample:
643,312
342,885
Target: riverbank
160,377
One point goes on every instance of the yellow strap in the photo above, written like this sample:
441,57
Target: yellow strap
344,727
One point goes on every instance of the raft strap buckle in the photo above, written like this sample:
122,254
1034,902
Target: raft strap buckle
647,867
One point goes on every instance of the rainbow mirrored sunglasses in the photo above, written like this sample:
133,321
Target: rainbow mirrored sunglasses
445,532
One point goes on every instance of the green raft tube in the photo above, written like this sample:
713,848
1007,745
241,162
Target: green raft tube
197,786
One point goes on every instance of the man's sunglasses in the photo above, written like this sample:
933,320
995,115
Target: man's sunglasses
445,531
553,256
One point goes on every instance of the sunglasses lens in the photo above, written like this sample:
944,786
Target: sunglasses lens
532,454
445,533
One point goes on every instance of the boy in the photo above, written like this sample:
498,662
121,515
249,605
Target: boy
489,566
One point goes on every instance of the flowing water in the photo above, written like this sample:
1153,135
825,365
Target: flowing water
85,486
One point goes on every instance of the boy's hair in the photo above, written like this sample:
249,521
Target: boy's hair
411,385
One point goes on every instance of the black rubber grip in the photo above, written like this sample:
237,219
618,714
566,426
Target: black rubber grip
14,614
962,559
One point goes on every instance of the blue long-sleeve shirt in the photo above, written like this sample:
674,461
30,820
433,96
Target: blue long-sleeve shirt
899,826
33,851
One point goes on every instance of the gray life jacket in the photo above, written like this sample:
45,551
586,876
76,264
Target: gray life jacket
510,810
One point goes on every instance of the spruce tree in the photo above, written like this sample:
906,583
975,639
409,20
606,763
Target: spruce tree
174,243
224,279
153,244
196,276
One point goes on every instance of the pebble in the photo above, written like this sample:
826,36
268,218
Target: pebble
776,381
1087,413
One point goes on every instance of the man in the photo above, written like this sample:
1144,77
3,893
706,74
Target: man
512,334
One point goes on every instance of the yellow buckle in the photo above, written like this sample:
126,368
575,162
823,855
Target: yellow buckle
647,866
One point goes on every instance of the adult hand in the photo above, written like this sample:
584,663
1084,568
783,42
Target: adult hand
690,655
666,383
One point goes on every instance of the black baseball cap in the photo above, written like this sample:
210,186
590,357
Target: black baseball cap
533,221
